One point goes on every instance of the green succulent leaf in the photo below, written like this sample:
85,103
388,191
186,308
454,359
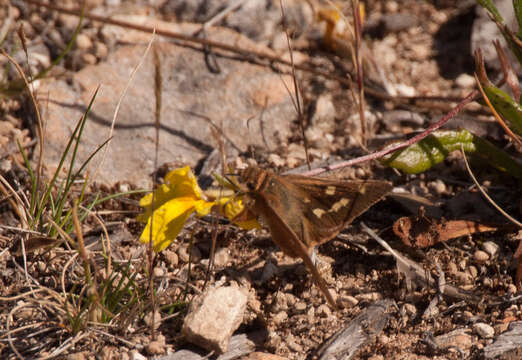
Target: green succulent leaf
433,149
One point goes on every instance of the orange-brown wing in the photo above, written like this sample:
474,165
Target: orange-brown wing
290,242
327,205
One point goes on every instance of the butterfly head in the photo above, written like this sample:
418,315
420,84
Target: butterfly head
252,179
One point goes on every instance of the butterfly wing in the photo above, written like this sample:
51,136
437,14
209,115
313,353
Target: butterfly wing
329,205
288,241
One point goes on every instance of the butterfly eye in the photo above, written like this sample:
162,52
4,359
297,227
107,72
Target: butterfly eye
251,185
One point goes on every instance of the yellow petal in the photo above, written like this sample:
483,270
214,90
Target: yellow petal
178,183
232,207
167,222
203,207
183,183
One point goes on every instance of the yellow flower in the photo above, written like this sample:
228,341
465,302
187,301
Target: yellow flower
175,201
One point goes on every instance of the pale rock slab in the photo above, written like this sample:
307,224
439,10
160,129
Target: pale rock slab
214,316
248,103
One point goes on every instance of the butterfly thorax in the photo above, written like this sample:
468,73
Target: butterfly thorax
254,179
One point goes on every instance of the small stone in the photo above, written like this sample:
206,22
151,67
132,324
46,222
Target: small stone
473,272
438,186
376,357
484,330
135,355
279,303
221,257
100,50
373,296
410,309
452,268
383,339
158,272
89,59
465,81
171,258
457,338
481,256
77,356
269,271
280,317
500,328
323,311
347,301
300,306
83,42
214,316
276,160
391,6
157,319
67,22
184,254
293,345
491,248
262,356
157,346
463,278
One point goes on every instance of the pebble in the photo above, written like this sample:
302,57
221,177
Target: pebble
157,346
100,50
457,338
463,277
269,271
484,330
221,257
465,81
89,59
171,257
472,270
83,42
491,248
300,306
373,296
438,186
158,272
347,301
184,254
410,309
214,316
280,317
262,356
135,355
323,311
481,256
512,289
276,160
77,356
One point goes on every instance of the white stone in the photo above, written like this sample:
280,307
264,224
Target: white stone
484,330
214,316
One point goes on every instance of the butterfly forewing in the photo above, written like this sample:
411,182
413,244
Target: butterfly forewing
327,206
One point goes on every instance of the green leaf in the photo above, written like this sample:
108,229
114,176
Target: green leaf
509,109
517,6
491,8
433,149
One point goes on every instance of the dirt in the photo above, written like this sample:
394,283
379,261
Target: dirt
48,309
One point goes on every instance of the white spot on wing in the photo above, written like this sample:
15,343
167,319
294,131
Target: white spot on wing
318,212
340,204
330,190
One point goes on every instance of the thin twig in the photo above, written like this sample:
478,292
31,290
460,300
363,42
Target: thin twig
485,194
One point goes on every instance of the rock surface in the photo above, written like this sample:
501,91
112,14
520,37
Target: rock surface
214,316
245,102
